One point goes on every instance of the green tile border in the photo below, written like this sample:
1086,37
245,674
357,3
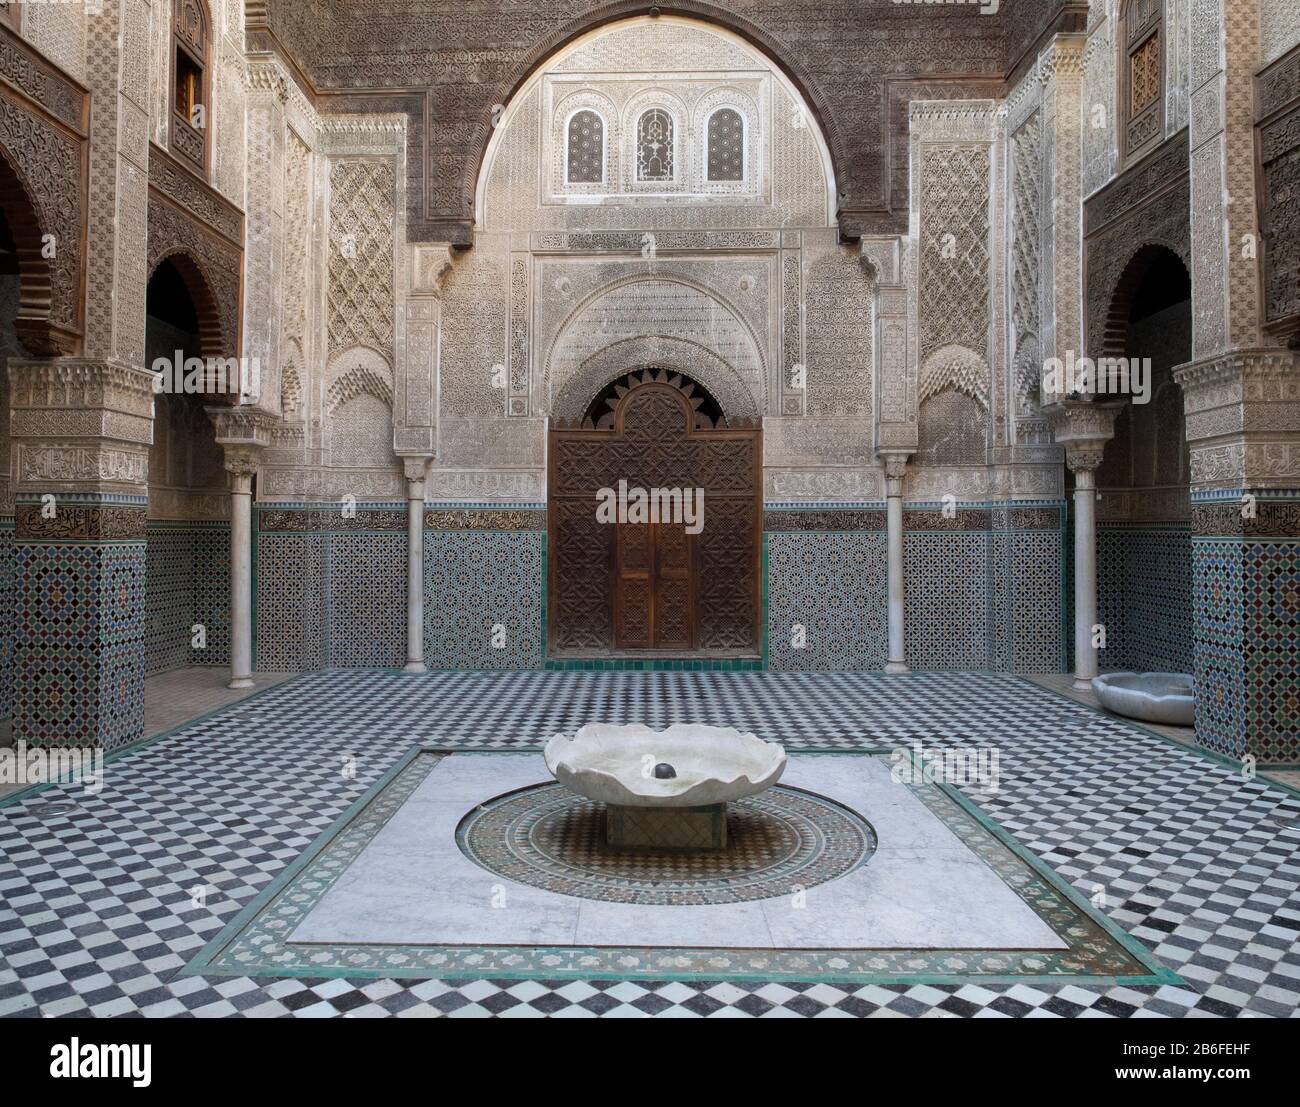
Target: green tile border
251,945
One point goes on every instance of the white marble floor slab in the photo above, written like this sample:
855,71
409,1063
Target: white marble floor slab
923,889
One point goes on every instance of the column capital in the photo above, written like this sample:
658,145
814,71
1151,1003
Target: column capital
1083,428
894,463
242,426
415,467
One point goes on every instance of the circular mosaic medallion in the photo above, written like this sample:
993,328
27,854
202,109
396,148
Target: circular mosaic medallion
777,842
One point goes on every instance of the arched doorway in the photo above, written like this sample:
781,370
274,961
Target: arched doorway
27,270
654,519
1144,555
187,616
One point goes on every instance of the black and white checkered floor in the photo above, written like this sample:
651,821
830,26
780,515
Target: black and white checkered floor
98,911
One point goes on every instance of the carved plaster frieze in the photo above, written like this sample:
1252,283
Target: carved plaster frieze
80,467
331,485
467,442
1246,465
1256,388
243,426
955,121
979,483
486,485
186,505
791,443
80,522
823,485
104,399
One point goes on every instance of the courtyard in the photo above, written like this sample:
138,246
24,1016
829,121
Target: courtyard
130,900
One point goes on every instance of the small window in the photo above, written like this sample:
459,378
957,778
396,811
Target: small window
586,148
189,85
726,145
654,146
189,124
1142,76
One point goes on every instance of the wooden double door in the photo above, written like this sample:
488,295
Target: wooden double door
637,585
654,587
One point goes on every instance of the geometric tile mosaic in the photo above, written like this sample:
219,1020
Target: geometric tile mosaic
947,599
290,602
7,604
79,643
1217,594
97,915
826,600
1270,648
1038,617
1144,597
328,594
365,613
483,599
188,583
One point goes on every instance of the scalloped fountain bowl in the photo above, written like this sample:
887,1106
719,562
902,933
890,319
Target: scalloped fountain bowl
664,789
1152,697
710,764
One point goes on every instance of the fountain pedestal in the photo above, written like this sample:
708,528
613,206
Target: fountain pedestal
684,829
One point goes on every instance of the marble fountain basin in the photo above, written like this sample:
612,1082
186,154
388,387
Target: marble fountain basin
711,764
664,789
1151,697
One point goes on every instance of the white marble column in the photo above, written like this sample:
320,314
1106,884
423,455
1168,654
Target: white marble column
1085,574
1084,428
895,466
241,571
415,568
243,434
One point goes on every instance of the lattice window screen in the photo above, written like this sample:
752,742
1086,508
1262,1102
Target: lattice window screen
586,148
726,146
654,146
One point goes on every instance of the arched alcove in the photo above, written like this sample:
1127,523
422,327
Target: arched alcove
25,261
187,619
1144,558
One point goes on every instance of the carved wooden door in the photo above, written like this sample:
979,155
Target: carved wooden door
653,587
